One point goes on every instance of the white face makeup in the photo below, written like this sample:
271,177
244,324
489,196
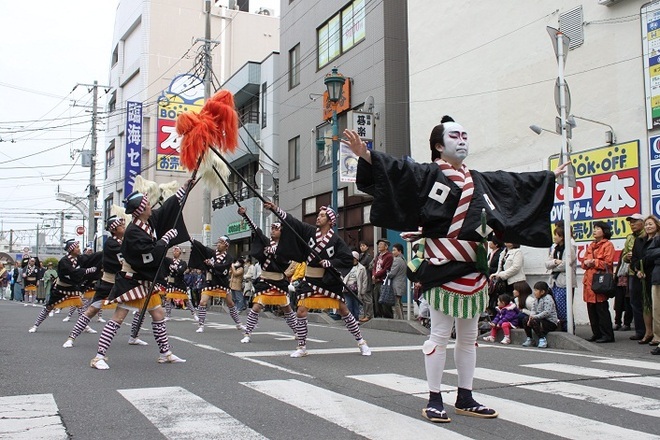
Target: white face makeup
456,145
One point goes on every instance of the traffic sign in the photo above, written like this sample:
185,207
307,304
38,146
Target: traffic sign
80,230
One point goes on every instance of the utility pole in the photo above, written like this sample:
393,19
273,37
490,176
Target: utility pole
206,198
62,232
93,191
92,170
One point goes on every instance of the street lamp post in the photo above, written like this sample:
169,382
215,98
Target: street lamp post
334,82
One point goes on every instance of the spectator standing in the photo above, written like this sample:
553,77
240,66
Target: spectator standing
644,274
3,280
382,265
623,314
543,318
636,222
398,276
652,265
49,279
236,272
598,257
41,288
511,266
248,278
198,282
506,319
556,265
18,283
366,260
357,281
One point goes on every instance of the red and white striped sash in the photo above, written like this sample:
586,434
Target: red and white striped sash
320,243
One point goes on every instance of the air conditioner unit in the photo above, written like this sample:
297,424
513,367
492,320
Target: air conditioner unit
266,11
608,2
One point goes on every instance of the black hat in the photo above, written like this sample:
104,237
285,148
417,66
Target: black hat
70,245
384,240
113,222
135,203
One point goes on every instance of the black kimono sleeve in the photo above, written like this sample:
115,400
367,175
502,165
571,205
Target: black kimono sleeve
290,246
68,273
162,220
198,254
142,252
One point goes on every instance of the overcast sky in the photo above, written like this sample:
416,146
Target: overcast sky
49,49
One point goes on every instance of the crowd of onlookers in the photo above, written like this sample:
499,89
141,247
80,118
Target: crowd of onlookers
636,291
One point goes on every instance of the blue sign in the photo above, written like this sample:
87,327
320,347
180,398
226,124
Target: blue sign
654,148
655,178
655,205
133,159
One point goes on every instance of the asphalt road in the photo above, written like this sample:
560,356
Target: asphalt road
250,391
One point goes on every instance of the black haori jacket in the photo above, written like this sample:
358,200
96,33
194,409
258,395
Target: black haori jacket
176,273
74,274
144,252
220,269
408,195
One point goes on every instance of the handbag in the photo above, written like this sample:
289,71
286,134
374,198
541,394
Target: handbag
603,283
623,269
387,293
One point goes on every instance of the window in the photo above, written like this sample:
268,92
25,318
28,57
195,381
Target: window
107,205
112,103
294,66
248,113
341,32
264,119
115,56
109,157
294,158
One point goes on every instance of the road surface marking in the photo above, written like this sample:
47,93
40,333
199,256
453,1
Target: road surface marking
29,417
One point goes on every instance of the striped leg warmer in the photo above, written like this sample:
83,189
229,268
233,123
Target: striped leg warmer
301,331
290,319
190,307
352,326
233,312
201,314
168,307
135,329
71,310
80,326
160,335
251,323
42,315
107,335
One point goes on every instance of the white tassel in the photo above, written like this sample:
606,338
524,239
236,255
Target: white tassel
208,175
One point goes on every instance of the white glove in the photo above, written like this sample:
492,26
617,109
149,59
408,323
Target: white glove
325,263
169,235
209,262
173,267
90,270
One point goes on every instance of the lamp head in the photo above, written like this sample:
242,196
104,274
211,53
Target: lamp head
536,129
334,82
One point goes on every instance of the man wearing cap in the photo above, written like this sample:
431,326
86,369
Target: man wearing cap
320,288
216,263
72,270
358,281
382,265
271,287
176,285
636,222
143,248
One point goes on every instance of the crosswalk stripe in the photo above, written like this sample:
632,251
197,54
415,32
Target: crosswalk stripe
579,370
615,399
571,426
648,381
633,363
179,414
33,416
319,351
357,416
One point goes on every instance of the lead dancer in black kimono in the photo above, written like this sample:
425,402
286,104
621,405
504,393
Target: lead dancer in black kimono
176,286
72,270
318,289
145,242
272,287
456,208
216,283
112,261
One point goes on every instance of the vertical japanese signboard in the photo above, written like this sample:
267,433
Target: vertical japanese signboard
133,160
650,17
186,93
654,166
608,189
363,124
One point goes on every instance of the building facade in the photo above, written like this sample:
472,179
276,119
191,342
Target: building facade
158,66
368,43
